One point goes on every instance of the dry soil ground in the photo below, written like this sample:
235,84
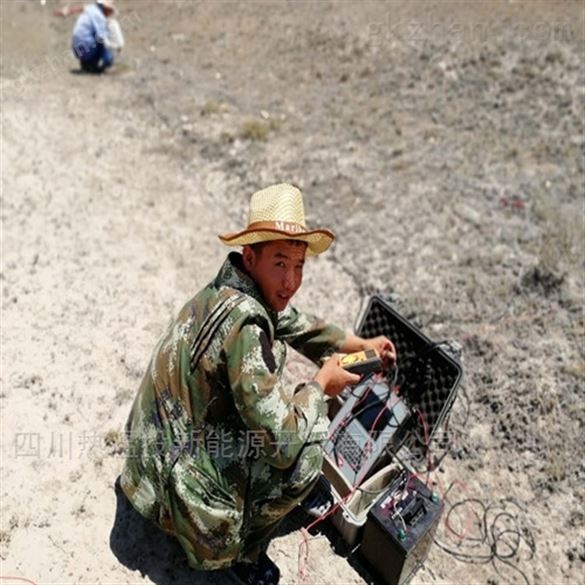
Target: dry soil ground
442,141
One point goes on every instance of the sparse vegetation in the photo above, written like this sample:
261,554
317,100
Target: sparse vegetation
212,107
562,239
450,168
115,441
258,130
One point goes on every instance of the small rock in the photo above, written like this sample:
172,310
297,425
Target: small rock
468,214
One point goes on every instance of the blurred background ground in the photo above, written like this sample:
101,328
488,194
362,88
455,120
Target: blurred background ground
442,141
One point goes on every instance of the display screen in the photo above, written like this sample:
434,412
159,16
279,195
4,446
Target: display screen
371,413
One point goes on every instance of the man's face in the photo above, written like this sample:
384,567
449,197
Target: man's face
277,269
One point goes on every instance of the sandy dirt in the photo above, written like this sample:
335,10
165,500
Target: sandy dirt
443,142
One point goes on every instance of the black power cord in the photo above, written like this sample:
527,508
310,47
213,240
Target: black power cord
499,539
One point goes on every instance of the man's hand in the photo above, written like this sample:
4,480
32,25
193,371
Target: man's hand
381,344
384,347
333,378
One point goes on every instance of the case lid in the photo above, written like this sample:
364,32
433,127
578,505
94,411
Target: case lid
425,374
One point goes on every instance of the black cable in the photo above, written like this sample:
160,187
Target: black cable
493,544
365,408
353,415
448,441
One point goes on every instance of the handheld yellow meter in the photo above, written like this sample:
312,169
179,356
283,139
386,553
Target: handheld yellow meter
361,362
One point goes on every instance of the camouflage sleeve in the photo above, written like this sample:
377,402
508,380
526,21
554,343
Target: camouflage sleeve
281,420
308,334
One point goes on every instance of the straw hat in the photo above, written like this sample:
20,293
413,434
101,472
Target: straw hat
277,213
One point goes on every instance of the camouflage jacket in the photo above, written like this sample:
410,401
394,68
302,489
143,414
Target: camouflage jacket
213,391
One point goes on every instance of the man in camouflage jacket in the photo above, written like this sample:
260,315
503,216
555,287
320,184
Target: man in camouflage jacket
220,450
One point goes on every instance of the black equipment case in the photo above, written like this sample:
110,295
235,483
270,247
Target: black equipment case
395,553
395,542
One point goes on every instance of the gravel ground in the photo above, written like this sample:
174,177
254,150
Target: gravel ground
442,141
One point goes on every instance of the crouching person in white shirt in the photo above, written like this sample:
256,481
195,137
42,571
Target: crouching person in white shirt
96,36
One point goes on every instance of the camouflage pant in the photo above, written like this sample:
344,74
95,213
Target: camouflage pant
217,527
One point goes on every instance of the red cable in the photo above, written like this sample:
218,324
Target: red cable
305,531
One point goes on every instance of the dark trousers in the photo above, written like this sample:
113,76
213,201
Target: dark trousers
95,59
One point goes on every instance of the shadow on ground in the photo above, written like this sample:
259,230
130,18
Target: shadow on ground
297,519
140,546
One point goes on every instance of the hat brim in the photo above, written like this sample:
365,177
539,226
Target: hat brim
317,240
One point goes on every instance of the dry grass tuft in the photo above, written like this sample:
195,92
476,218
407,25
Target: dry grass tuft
115,441
562,237
212,107
258,130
